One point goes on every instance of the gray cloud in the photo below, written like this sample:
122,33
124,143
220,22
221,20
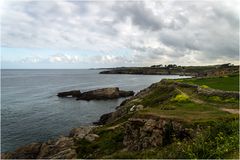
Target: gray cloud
138,13
153,32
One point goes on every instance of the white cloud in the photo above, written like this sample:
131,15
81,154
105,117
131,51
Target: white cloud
35,59
64,58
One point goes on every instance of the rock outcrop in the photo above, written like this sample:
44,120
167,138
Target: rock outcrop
147,133
61,148
98,94
103,119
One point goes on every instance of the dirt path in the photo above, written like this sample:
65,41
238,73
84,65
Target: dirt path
113,127
233,111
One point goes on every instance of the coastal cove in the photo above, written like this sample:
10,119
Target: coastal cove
31,111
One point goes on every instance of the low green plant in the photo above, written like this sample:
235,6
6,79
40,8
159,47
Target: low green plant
204,86
180,98
216,142
158,95
231,100
221,100
109,142
215,99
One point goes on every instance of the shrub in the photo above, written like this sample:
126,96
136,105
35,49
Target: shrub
218,99
204,86
231,100
215,99
180,98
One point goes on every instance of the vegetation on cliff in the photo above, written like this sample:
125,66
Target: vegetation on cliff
178,120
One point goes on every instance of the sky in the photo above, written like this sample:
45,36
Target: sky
95,34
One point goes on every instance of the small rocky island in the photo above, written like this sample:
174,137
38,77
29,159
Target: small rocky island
98,94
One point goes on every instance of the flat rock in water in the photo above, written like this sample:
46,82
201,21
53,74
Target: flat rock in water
98,94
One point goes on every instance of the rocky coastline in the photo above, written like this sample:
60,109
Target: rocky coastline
130,128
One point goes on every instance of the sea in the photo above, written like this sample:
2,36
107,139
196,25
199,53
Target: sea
31,111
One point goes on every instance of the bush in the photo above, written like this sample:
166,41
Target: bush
109,142
218,99
204,86
180,98
215,143
231,100
215,99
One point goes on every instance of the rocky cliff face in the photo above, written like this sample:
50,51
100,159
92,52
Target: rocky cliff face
148,133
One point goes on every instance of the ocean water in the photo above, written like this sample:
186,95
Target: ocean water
31,111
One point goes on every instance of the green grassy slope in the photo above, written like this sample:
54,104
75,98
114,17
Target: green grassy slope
228,83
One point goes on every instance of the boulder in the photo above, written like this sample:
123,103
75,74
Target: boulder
74,93
103,119
81,132
91,137
61,148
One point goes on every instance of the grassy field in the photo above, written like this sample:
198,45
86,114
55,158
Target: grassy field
228,83
186,104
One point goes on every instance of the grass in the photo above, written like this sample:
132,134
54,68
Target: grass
188,111
227,83
185,104
109,142
158,95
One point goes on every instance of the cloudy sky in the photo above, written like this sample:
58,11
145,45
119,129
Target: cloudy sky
80,34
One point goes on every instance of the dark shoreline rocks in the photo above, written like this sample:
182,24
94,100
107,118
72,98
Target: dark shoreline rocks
63,147
74,93
98,94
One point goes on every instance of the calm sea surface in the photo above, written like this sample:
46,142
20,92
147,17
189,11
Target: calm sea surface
31,111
